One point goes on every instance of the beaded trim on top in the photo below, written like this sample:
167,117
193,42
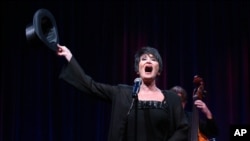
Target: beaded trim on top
152,105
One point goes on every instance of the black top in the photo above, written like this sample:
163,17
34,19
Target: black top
166,125
152,120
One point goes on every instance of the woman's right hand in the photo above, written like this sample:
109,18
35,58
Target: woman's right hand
64,51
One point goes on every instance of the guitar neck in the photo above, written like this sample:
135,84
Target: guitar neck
194,124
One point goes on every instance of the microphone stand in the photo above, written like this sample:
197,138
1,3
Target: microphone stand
134,102
136,89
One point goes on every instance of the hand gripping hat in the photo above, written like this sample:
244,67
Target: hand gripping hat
43,30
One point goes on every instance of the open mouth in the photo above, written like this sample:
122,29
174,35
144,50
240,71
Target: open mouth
148,69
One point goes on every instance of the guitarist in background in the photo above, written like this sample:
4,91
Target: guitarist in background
207,125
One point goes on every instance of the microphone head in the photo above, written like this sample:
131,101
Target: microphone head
138,79
136,87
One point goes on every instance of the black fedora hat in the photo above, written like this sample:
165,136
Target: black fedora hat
43,30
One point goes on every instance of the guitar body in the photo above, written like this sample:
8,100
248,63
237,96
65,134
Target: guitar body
202,137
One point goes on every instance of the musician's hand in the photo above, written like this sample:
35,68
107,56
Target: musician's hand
203,107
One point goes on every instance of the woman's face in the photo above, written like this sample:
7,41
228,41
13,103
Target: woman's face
148,67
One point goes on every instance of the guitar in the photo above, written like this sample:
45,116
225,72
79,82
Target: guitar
198,93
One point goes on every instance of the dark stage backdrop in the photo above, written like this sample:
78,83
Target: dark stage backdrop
206,38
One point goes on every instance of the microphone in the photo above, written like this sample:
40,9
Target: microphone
136,88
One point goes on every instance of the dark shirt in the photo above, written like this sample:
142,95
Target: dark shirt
207,127
175,125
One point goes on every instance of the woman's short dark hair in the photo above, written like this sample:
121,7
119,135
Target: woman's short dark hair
147,50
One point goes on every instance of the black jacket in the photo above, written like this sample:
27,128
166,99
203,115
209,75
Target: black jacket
120,98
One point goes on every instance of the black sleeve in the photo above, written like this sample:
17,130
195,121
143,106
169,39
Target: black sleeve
178,120
73,74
